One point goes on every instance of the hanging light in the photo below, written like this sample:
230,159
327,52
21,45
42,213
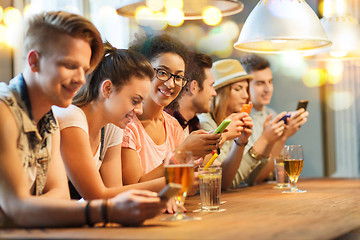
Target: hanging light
342,29
193,9
344,32
282,25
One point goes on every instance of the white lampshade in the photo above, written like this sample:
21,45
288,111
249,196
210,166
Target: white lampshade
193,9
344,32
282,25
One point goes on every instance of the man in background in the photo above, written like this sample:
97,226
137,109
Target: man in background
195,97
261,92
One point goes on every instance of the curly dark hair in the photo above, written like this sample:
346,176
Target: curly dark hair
253,62
152,46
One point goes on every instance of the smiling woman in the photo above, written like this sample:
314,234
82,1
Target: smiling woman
91,128
152,134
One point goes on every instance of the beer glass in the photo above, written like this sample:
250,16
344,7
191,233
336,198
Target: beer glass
179,168
293,163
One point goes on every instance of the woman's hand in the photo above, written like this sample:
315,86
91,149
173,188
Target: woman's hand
237,126
247,129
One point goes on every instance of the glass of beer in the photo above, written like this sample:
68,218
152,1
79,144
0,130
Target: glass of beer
179,168
293,163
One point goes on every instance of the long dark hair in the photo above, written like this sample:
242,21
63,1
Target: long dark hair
118,65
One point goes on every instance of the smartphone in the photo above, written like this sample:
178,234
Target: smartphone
246,108
170,190
302,104
222,126
284,118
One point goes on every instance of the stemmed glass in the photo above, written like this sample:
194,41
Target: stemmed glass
179,168
293,163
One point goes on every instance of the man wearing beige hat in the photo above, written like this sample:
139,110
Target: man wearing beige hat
261,90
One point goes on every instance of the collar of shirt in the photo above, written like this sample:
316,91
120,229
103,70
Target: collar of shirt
194,123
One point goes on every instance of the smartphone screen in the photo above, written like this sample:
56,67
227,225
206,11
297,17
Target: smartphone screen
302,104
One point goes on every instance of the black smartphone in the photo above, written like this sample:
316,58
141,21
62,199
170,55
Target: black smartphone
170,190
302,104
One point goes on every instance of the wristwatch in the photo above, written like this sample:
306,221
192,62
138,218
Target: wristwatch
254,154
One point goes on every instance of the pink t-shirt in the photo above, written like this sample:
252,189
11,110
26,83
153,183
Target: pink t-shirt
150,154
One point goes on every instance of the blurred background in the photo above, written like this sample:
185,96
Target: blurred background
330,83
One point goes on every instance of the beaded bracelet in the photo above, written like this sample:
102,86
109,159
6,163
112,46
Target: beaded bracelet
87,214
240,144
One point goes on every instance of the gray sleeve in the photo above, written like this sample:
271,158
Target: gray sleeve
249,169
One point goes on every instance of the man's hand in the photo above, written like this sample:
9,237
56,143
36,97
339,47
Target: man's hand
200,143
273,129
133,207
294,123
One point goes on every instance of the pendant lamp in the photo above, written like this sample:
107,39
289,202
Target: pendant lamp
275,26
192,9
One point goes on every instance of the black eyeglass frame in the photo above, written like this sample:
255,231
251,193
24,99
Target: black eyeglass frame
184,79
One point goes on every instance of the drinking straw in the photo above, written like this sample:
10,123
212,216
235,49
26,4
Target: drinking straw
212,159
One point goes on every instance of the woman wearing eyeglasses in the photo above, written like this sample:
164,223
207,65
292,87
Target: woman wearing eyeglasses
153,133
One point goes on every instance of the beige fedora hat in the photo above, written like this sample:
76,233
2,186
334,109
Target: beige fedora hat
228,71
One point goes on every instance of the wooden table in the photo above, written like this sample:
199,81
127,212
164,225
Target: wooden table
329,210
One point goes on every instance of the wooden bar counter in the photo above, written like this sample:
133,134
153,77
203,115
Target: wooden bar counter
329,210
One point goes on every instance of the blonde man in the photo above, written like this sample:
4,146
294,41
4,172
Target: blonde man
60,48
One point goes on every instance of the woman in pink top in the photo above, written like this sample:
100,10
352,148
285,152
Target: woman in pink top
147,139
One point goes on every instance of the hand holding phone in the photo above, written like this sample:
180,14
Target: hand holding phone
301,104
169,191
284,118
246,108
222,126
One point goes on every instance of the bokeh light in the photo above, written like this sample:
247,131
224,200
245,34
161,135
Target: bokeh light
30,10
338,54
155,5
2,34
71,9
12,34
159,21
193,33
218,44
335,70
12,16
1,13
169,4
230,28
143,15
340,100
175,17
315,77
212,16
292,65
106,12
321,7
